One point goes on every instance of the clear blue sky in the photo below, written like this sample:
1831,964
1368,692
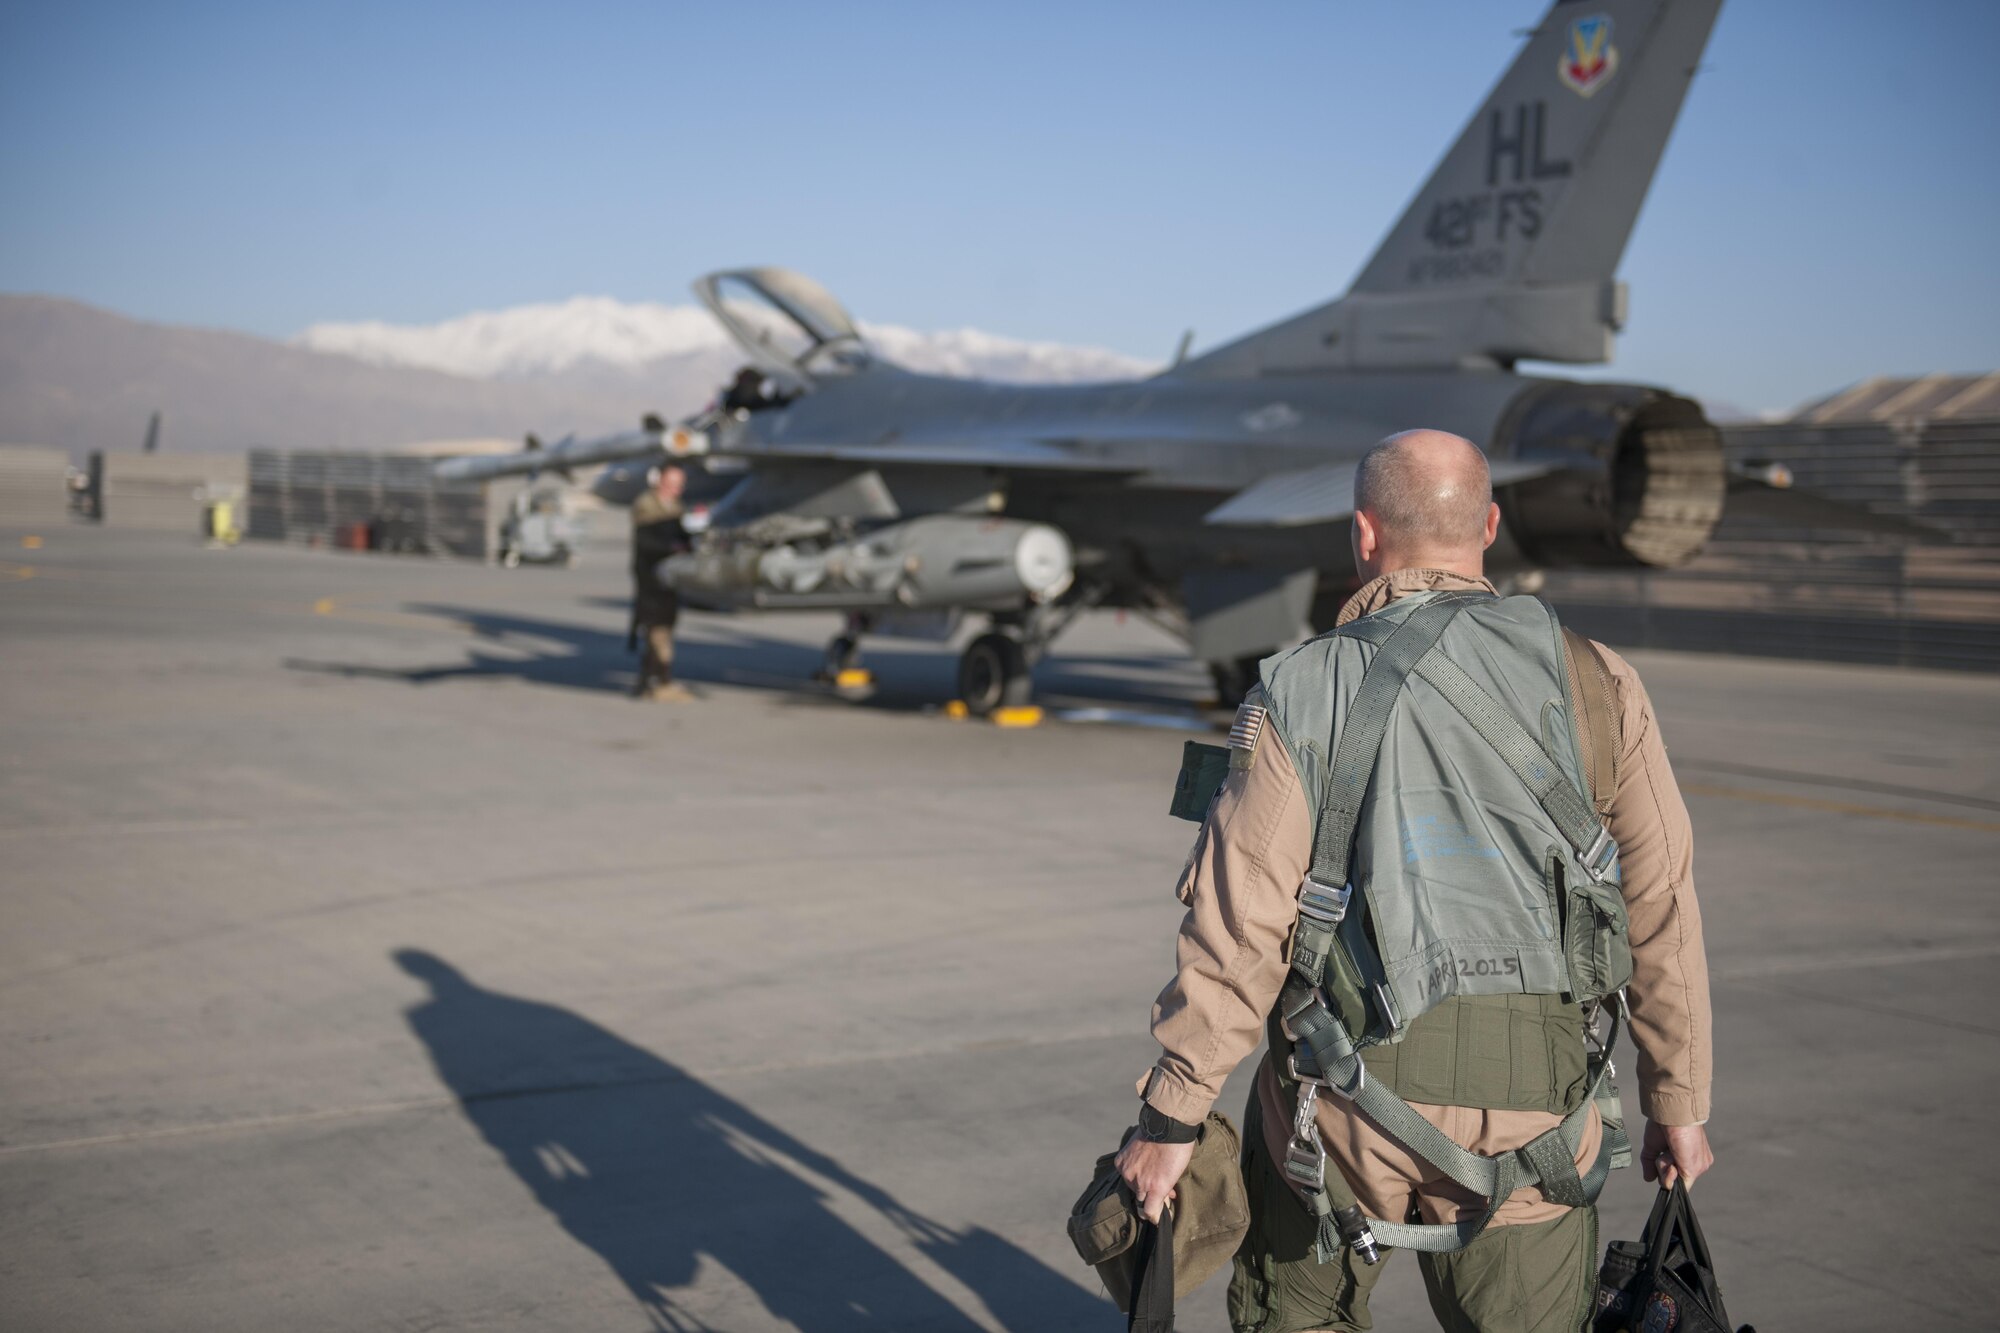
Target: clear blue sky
1103,173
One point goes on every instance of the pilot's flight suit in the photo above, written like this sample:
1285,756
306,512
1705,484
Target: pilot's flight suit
657,532
1533,1267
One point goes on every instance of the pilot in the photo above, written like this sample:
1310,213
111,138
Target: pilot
746,392
1493,1071
657,532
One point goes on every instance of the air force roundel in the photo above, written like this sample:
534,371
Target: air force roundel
1589,61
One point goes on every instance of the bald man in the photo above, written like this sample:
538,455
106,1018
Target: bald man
1494,1071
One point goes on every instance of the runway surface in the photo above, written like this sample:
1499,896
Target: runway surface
371,962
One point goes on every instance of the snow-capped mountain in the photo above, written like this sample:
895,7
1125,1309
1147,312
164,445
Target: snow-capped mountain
601,333
81,378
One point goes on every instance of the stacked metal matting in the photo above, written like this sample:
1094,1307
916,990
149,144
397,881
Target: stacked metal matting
166,492
1775,592
34,486
315,499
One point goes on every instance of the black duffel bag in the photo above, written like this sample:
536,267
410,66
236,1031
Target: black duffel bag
1664,1282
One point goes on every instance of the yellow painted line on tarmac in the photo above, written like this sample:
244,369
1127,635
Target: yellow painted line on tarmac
31,542
1839,807
331,606
14,573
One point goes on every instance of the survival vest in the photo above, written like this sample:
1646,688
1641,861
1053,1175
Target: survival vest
1457,854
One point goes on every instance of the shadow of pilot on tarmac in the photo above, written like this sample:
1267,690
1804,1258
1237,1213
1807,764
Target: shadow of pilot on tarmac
653,1169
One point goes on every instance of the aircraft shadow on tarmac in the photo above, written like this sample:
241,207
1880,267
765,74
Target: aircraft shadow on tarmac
654,1170
908,678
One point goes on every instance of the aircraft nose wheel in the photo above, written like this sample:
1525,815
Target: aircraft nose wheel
993,674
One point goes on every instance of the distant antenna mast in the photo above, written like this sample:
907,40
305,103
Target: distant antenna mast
1187,341
152,444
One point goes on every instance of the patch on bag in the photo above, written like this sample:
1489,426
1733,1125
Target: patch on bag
1244,734
1662,1315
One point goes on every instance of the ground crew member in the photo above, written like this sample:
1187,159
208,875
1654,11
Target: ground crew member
1494,1071
657,532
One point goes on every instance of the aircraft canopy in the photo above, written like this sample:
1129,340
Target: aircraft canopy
787,323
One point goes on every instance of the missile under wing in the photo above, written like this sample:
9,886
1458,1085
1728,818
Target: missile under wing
1216,496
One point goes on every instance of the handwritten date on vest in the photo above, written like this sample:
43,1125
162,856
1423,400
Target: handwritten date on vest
1440,977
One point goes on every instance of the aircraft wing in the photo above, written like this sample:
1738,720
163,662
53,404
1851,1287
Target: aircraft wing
1003,455
656,439
1325,494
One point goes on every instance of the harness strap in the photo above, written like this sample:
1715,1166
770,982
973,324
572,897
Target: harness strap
1596,717
1572,812
1365,721
1547,1161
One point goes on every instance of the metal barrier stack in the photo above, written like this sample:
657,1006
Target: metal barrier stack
164,492
34,487
378,501
1823,595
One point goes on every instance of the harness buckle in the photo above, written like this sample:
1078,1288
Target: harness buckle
1305,1154
1304,1080
1305,1165
1323,902
1309,1000
1387,1004
1601,855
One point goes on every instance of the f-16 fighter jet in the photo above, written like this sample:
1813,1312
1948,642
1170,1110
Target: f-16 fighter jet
1216,496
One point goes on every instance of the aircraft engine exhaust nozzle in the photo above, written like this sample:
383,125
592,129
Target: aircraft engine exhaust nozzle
1640,477
940,561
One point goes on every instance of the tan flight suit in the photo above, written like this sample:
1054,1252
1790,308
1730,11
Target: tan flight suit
657,532
1241,885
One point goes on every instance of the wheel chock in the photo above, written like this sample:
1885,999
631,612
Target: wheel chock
1029,716
853,678
957,711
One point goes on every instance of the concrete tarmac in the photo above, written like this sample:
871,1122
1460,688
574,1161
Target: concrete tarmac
371,962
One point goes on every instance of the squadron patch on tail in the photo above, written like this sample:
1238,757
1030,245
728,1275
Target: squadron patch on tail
1590,59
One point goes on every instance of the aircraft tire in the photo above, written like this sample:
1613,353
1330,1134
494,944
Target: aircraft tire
993,674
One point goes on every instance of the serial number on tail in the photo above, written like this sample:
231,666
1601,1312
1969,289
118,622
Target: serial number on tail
1459,267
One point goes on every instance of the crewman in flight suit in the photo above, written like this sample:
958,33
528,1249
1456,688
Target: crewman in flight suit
657,532
1492,1071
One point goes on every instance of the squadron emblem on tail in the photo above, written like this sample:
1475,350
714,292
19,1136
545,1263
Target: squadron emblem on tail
1590,60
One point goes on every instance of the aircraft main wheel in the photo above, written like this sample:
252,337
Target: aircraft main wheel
993,674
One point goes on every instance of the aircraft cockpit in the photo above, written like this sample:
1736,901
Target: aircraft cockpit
789,326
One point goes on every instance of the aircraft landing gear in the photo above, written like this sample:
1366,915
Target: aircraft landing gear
842,664
993,673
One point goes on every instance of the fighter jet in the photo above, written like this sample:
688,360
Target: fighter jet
1216,496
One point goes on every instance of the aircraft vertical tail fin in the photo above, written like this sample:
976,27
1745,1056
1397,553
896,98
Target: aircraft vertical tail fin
1511,248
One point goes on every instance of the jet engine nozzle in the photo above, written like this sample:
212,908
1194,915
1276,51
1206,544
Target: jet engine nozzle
943,560
1639,477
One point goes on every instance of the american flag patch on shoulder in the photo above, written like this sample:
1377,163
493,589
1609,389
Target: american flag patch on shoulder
1249,725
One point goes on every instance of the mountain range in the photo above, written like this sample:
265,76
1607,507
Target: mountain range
80,378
